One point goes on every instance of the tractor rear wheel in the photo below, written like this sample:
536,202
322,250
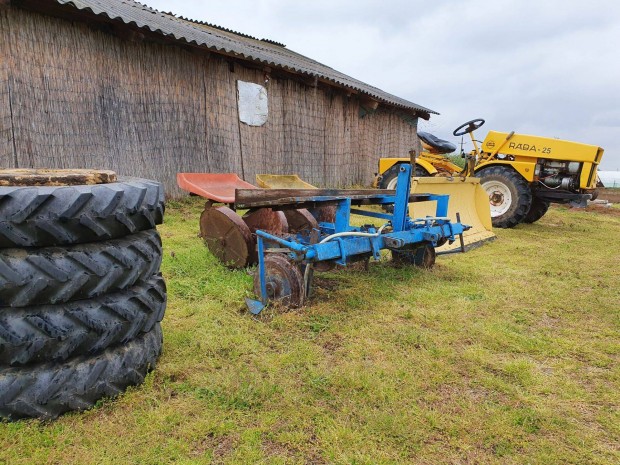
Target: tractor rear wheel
537,210
510,195
389,178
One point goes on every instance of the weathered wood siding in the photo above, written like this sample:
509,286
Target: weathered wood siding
75,97
7,158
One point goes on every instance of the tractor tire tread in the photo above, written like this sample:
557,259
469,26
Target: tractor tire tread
85,327
50,389
51,275
42,216
538,209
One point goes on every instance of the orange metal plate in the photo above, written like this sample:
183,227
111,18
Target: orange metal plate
219,187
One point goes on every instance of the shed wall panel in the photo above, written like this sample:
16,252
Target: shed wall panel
302,131
7,156
333,136
222,122
85,98
255,140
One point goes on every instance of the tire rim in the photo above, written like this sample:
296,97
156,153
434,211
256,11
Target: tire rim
500,198
392,184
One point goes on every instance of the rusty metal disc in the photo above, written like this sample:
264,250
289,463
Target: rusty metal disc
300,221
227,236
441,241
265,219
55,177
324,214
284,281
425,256
422,256
324,266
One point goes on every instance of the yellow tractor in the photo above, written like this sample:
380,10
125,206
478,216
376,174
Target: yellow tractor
521,174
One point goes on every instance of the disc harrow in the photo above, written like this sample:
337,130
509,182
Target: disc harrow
280,232
231,237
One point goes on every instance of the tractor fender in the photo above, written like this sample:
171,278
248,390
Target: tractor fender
430,169
386,163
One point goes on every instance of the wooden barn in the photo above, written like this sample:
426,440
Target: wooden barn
115,84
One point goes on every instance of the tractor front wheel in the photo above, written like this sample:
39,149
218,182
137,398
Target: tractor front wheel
537,210
510,196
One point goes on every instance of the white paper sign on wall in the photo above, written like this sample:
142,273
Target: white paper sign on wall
253,105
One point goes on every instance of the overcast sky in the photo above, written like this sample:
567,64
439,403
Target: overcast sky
548,68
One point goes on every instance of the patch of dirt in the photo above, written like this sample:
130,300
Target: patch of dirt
328,284
314,456
276,449
613,195
454,399
333,343
361,265
610,211
548,321
221,447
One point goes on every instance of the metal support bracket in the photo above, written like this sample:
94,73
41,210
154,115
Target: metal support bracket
257,306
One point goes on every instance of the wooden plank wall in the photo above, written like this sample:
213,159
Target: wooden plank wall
83,98
7,155
221,125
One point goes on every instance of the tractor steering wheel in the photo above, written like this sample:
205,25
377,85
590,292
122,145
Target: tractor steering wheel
468,127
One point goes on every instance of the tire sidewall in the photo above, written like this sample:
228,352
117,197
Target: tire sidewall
391,174
519,189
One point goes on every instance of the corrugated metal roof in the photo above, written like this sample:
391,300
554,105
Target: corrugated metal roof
223,40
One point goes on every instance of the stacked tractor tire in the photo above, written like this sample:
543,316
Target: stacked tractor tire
81,295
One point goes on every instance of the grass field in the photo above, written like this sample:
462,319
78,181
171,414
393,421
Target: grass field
507,354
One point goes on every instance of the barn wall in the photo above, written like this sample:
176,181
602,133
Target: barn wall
82,98
7,157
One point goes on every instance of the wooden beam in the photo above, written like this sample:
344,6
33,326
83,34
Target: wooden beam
250,198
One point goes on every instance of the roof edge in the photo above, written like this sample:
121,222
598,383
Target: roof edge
267,56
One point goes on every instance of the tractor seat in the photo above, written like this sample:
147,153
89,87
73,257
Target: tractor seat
435,144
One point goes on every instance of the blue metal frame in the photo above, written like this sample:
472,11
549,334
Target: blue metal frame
350,241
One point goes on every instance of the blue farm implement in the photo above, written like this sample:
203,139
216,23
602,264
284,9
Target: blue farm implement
286,262
290,233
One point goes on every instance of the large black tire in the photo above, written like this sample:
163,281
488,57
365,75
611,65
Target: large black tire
64,215
50,275
537,210
48,390
510,195
83,327
388,179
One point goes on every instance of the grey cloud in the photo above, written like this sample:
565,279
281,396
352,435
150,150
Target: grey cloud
547,68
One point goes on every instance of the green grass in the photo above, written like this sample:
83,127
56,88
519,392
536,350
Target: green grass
457,159
507,354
